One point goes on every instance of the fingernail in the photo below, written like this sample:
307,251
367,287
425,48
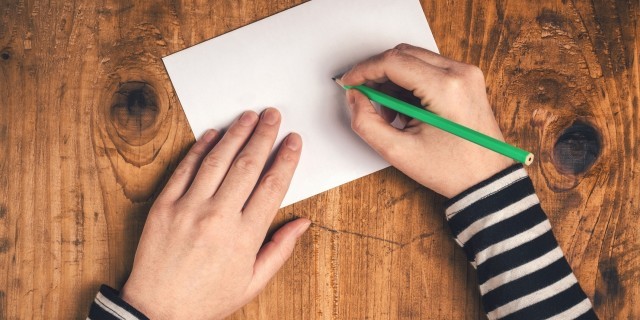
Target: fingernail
247,118
208,135
292,142
270,116
345,75
303,227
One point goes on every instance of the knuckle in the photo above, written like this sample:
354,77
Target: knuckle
403,46
289,156
213,162
198,150
473,72
264,132
160,209
274,184
391,54
453,83
201,229
284,252
358,124
246,163
206,222
182,170
237,131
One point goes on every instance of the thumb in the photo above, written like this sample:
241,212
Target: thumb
371,126
275,253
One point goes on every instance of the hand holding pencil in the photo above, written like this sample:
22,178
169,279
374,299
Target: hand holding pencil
456,91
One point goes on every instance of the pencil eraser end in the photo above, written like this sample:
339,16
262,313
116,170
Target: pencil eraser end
529,159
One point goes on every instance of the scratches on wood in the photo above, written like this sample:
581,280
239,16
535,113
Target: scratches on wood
356,234
393,245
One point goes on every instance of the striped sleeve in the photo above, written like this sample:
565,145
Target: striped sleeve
507,237
109,306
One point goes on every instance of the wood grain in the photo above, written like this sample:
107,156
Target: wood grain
90,128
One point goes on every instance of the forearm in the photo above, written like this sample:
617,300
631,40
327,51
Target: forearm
507,237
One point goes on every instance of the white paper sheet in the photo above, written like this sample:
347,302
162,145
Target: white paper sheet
287,61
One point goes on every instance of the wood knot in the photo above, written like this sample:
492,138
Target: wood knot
577,148
134,112
132,128
5,54
612,279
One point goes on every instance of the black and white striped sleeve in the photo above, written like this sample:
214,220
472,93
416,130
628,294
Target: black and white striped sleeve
109,306
507,237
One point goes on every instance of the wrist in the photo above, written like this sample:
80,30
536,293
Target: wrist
143,302
478,172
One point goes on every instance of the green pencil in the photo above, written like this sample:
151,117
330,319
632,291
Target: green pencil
439,122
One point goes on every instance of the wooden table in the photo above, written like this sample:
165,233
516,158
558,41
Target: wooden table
90,128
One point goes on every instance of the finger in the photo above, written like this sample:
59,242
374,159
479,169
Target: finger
185,171
275,253
247,167
396,91
401,93
372,127
403,120
402,69
388,114
427,56
217,162
267,197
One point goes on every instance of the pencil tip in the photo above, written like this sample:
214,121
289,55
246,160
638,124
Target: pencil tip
333,78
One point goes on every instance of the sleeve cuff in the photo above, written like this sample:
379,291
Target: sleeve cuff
492,184
494,209
108,305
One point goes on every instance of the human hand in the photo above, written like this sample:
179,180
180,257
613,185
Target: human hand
434,158
201,254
